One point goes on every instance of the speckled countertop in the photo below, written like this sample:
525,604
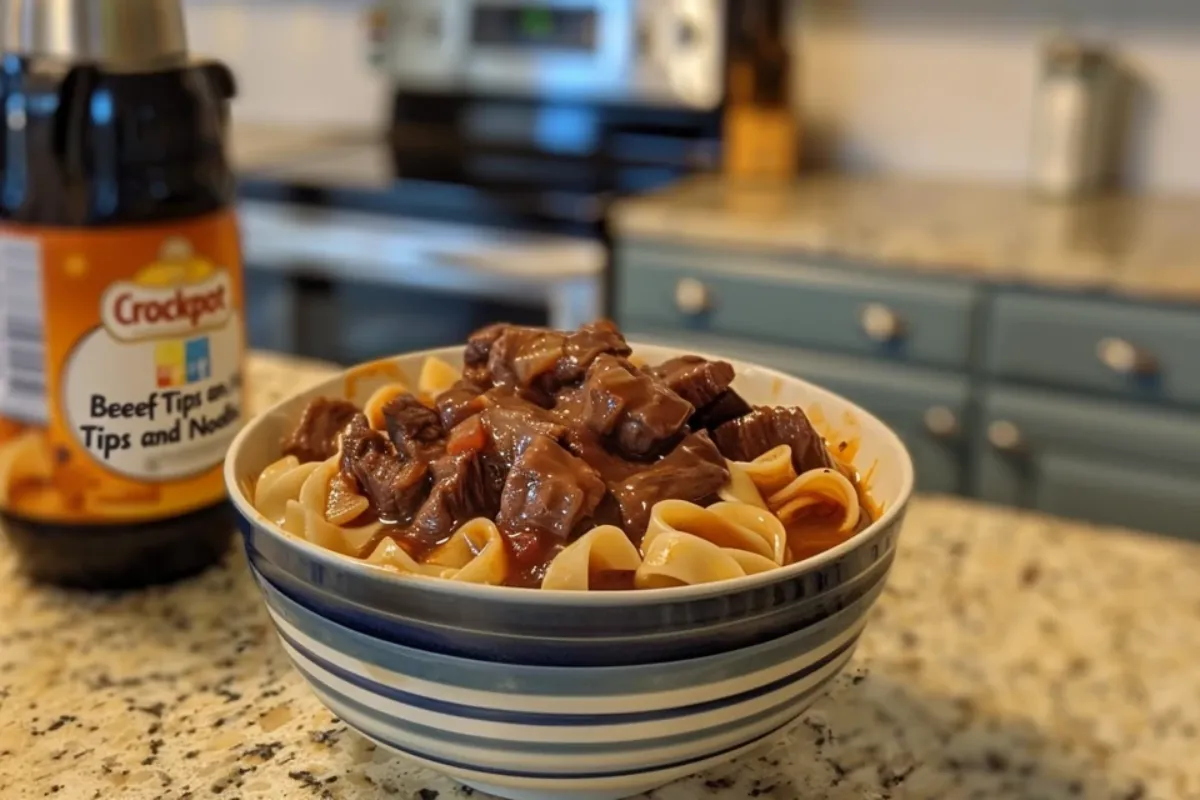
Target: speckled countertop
1137,246
1012,656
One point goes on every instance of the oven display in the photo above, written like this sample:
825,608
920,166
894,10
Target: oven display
536,27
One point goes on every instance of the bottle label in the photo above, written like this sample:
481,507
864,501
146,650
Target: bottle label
120,369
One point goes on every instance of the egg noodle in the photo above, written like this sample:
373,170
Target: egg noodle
746,533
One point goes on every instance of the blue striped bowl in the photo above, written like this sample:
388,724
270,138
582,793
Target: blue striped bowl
530,694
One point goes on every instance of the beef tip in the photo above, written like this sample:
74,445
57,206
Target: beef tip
465,486
704,384
548,490
584,443
694,471
695,379
394,485
727,405
513,423
414,428
748,437
636,410
586,345
460,401
475,355
524,359
538,361
315,436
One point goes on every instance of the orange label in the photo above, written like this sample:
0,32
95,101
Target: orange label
120,369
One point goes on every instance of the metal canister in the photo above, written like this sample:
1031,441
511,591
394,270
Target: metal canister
1074,120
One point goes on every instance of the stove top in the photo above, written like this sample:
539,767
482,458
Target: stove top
365,177
506,162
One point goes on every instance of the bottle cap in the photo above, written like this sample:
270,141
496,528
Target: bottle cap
124,35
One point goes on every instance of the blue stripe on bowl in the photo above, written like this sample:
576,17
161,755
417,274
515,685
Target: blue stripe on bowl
405,612
418,600
512,717
458,767
340,703
514,680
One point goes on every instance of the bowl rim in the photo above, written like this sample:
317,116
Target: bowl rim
567,596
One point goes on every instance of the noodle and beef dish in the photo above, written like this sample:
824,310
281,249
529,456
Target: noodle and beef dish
558,460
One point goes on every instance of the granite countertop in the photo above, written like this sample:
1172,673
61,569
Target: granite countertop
1136,246
1012,656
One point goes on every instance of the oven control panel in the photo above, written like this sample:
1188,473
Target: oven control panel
661,52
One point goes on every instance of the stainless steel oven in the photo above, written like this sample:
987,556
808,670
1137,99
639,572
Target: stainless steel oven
655,52
513,126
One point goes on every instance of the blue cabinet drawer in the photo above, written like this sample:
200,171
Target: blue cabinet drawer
744,295
1104,461
1138,352
929,410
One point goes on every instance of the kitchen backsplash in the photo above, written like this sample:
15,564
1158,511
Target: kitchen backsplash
946,87
913,87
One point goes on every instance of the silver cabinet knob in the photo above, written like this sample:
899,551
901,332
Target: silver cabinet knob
1125,358
941,421
692,297
880,323
1005,436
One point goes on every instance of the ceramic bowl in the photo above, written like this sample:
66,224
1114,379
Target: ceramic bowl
531,694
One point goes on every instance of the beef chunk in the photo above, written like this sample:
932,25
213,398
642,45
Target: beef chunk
704,384
538,361
748,437
635,410
695,379
460,401
465,486
513,423
727,405
475,355
583,442
693,471
548,490
414,428
315,436
586,345
524,359
394,485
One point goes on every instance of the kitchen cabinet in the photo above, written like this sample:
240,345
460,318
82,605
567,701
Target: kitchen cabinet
1075,404
798,302
1131,350
271,311
1092,459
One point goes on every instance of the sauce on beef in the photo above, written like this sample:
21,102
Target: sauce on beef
551,433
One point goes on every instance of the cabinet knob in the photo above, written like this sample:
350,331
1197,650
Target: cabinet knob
692,297
1005,436
941,422
1125,358
880,323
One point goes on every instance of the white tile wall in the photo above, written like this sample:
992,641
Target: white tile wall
945,87
298,62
